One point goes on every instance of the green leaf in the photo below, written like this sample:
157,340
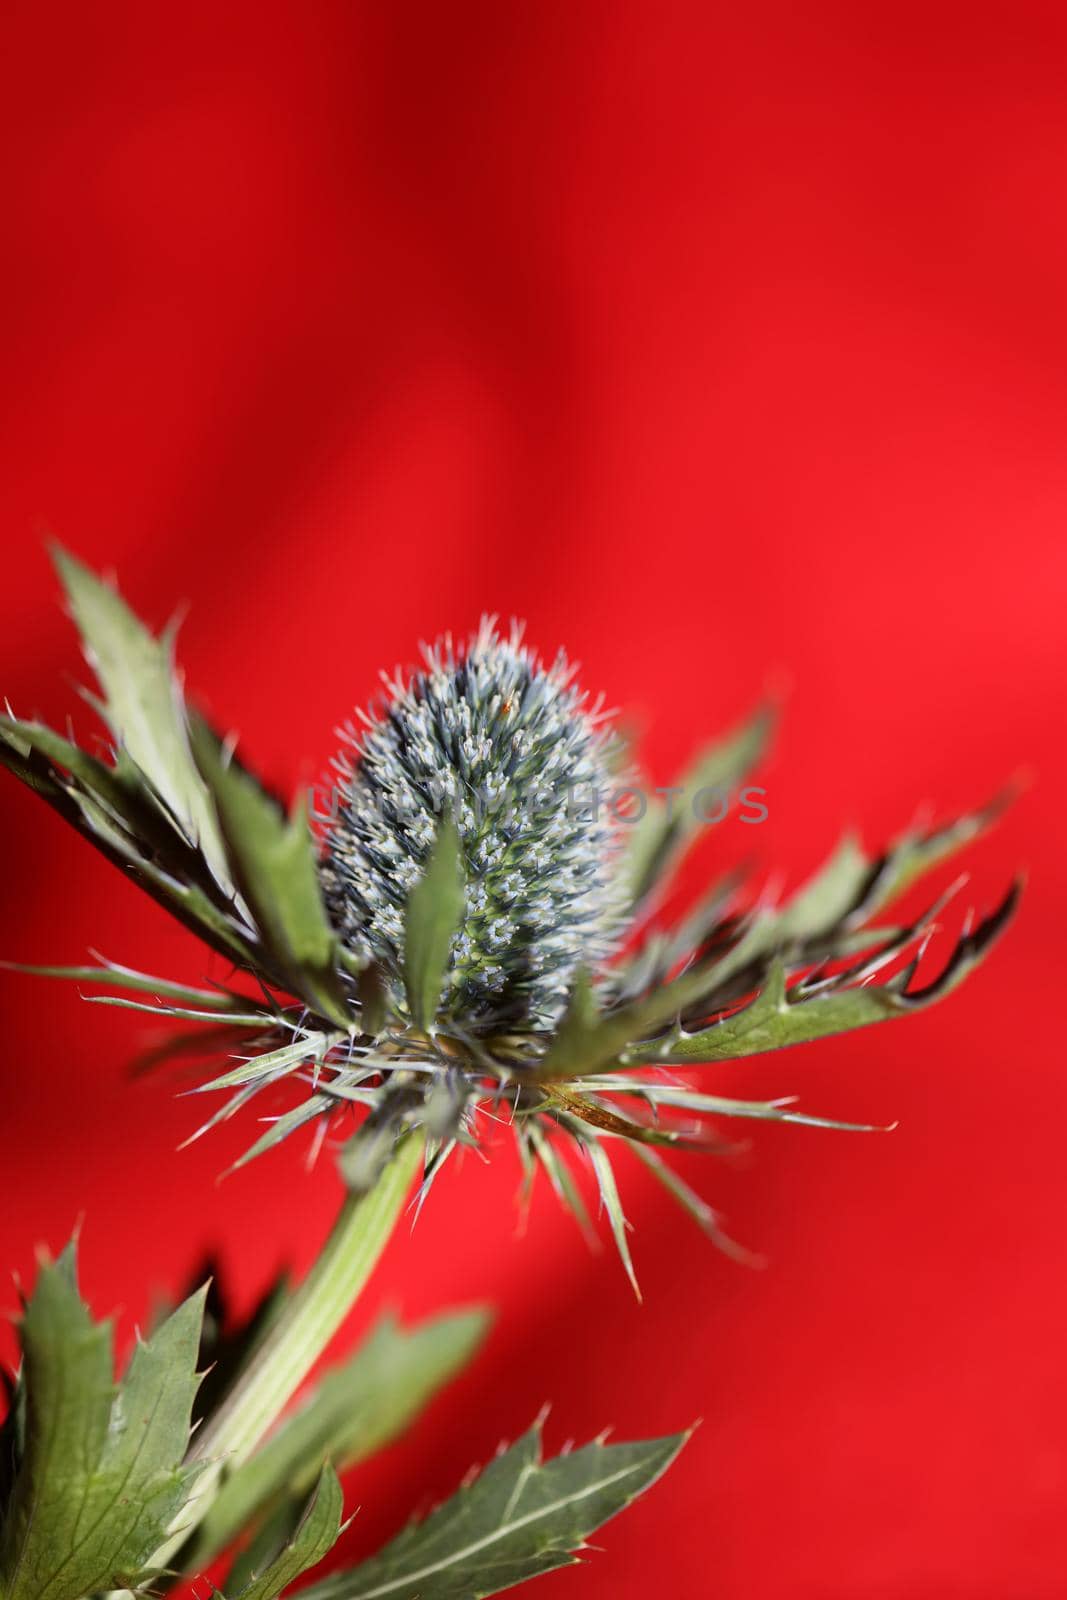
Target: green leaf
671,1097
561,1179
230,1019
228,1341
273,862
827,897
255,1555
915,852
373,1000
588,1040
279,1128
144,709
315,1535
117,814
434,913
101,1474
110,976
827,920
775,1018
522,1517
353,1411
578,1034
396,1107
118,793
609,1194
12,1435
667,827
822,922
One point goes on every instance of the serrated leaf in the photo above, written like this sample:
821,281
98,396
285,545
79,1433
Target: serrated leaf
828,919
588,1040
915,852
272,858
776,1018
115,791
101,1476
227,1341
821,921
128,827
315,1535
522,1517
827,897
67,1371
353,1411
144,707
433,914
262,1548
772,1020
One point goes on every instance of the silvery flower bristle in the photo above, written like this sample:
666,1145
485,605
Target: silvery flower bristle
511,749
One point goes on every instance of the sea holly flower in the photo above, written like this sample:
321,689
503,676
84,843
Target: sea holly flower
509,749
470,928
465,928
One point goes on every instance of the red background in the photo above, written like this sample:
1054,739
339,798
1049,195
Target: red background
718,343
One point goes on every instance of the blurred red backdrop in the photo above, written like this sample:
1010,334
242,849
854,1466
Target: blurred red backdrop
719,343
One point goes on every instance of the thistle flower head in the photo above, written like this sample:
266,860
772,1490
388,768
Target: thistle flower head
475,933
511,749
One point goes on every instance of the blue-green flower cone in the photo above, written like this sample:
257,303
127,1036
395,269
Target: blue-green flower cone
512,750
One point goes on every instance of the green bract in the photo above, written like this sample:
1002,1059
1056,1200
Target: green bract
474,930
95,1470
471,931
94,1474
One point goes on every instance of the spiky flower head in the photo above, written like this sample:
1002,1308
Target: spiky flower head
510,748
479,930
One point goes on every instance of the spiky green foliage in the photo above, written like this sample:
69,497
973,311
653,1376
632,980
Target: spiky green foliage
436,959
520,1518
295,1550
95,1471
355,1409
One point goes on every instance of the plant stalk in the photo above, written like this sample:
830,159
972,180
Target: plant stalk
297,1338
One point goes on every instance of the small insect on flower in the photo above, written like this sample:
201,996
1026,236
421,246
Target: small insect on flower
471,932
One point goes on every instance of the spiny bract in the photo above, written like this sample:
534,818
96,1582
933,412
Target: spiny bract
512,750
529,962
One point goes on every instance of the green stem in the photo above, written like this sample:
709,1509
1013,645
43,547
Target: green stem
298,1336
